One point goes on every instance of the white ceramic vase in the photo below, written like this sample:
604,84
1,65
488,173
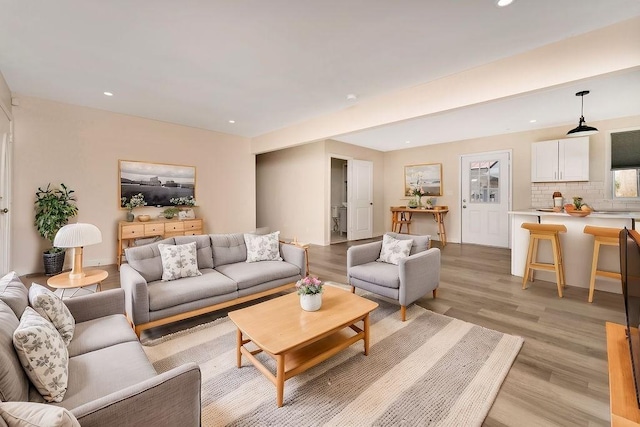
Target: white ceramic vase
311,302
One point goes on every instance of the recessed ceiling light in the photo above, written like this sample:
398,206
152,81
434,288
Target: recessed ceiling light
352,97
407,142
108,93
232,121
503,3
532,121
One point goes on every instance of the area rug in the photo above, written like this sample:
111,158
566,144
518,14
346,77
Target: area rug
431,370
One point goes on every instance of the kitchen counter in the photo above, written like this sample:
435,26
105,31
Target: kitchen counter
577,247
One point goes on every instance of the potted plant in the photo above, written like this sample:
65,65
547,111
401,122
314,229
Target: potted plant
310,291
170,212
135,201
54,207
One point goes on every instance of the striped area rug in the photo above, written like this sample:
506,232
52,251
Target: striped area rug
430,370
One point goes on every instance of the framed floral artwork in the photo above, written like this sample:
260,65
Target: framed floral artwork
427,176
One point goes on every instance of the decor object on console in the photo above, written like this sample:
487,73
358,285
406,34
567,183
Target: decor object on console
54,207
406,282
582,129
158,183
310,291
144,218
135,201
424,178
77,236
169,213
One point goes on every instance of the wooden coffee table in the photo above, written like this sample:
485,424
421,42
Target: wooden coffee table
297,339
63,283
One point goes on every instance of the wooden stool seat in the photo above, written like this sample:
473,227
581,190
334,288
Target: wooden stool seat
549,232
399,220
606,236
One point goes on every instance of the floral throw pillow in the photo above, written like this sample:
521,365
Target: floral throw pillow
51,307
179,261
43,355
393,250
263,248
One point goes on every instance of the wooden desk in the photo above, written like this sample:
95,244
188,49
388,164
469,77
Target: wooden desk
62,281
622,392
437,212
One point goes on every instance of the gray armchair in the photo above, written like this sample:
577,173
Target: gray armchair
411,279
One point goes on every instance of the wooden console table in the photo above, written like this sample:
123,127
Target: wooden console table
622,392
129,231
437,212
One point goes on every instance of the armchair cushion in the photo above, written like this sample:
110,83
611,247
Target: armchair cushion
27,414
393,250
14,293
169,294
14,384
420,243
379,273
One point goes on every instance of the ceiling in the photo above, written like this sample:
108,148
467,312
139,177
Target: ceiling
269,65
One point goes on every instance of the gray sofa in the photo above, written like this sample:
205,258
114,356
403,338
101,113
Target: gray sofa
111,381
227,279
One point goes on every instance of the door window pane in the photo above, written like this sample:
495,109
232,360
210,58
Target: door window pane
484,185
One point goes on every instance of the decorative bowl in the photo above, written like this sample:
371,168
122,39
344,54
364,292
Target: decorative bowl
144,218
578,213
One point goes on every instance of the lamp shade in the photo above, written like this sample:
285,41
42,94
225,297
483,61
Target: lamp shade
77,235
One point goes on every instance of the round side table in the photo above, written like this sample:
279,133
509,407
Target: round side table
69,287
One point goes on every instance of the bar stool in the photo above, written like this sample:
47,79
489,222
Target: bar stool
602,236
399,220
549,232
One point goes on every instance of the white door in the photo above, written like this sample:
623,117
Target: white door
5,193
360,200
485,198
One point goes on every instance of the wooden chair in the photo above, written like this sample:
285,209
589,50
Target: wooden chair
549,232
399,220
602,236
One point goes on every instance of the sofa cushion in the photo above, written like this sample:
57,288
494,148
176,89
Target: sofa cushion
99,333
420,243
179,261
14,293
43,355
203,245
393,250
28,414
380,273
168,294
263,248
51,307
14,384
98,373
247,275
228,248
146,259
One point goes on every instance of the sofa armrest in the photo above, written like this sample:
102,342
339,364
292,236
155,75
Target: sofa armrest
136,294
362,254
294,255
419,274
169,399
93,306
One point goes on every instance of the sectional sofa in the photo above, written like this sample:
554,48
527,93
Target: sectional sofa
226,278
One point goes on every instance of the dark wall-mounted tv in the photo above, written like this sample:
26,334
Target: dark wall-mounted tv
630,272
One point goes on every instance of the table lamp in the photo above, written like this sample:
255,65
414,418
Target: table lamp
77,236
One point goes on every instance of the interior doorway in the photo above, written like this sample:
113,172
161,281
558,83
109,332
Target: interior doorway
5,190
339,187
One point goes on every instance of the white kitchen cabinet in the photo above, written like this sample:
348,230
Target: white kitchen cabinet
560,160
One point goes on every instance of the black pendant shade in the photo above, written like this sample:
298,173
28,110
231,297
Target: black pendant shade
582,129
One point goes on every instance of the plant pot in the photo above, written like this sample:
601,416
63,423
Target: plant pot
130,216
53,263
311,302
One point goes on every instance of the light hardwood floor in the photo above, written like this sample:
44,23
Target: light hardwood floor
560,376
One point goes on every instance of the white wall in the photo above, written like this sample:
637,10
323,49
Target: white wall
5,93
81,147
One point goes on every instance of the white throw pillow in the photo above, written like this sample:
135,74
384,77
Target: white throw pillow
179,261
29,414
263,248
43,355
393,250
51,307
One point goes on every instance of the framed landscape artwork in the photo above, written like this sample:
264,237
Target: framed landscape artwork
427,176
157,182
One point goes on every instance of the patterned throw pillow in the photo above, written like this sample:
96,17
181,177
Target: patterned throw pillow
179,261
49,306
29,414
43,355
393,250
263,248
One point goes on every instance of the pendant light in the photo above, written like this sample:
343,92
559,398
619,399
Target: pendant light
582,129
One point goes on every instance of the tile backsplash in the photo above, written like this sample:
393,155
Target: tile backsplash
592,193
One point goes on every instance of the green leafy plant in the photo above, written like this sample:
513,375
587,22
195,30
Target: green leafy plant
54,207
170,212
183,201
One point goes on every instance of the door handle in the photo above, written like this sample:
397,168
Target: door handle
371,203
5,210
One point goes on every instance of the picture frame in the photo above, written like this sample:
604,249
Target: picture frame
428,176
158,182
